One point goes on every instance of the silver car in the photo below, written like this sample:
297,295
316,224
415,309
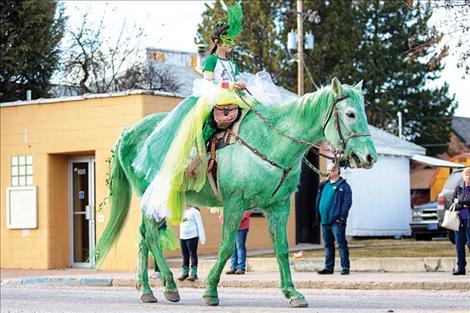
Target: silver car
444,199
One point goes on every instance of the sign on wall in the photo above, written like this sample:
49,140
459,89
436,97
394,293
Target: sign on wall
21,206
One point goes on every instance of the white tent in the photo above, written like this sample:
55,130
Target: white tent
381,195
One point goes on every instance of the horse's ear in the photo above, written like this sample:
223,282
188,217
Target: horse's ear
336,87
358,86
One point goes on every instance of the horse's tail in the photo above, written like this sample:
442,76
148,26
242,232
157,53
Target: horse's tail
120,198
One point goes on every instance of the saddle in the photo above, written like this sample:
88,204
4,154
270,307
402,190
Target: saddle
227,117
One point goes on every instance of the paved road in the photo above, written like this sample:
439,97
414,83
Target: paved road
117,300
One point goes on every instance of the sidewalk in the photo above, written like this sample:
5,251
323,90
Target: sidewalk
302,280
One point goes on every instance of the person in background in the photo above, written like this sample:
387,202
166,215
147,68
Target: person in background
334,199
238,259
462,197
191,231
156,271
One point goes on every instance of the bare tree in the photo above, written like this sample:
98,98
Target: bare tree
454,37
94,63
148,77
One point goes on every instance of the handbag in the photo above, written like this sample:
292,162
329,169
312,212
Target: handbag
451,218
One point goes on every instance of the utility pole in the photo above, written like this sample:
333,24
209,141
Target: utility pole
300,50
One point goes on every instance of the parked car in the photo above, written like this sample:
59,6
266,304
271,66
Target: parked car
425,222
444,199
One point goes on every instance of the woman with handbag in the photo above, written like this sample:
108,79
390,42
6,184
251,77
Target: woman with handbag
462,196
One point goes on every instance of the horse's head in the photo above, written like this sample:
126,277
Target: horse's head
345,125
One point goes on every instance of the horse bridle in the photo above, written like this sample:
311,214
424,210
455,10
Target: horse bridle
351,134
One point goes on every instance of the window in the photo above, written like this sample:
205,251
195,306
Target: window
21,170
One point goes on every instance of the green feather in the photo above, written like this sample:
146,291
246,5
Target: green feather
234,20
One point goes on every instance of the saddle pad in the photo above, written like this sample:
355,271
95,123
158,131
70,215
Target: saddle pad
224,138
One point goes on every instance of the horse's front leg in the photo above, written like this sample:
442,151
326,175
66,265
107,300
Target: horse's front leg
277,222
166,276
233,211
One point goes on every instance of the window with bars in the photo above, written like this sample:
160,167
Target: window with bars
22,170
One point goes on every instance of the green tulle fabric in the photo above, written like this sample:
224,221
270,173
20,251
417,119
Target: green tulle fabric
167,239
150,158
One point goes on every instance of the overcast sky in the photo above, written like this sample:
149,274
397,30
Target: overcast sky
173,25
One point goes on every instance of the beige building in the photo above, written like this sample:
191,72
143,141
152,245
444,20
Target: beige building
54,167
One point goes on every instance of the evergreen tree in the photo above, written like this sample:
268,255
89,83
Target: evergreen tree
394,82
337,39
30,32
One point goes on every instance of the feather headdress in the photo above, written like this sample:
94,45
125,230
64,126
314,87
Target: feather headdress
234,19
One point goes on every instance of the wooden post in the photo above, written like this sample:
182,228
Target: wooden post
300,50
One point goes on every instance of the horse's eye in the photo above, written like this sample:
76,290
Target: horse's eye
351,115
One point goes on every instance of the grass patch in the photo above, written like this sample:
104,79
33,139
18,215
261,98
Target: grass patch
386,248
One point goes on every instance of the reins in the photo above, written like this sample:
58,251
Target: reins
338,155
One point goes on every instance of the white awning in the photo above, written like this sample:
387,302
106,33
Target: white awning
434,161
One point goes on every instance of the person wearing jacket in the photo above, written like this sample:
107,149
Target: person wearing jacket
191,231
462,197
334,199
238,258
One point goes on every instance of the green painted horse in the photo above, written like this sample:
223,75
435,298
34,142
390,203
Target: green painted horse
248,179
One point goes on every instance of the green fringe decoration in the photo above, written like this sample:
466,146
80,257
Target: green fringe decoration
167,239
235,19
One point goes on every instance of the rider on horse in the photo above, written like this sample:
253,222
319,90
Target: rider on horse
164,159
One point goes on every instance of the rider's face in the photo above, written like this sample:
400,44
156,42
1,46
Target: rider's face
226,48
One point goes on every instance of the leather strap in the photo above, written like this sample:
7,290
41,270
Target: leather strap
285,171
212,159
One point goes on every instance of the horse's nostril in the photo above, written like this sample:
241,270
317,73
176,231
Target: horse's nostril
370,158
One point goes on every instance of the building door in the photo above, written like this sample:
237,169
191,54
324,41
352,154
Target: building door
307,227
82,211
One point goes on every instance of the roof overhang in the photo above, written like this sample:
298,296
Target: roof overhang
434,161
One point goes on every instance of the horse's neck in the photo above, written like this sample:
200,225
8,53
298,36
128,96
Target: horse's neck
298,120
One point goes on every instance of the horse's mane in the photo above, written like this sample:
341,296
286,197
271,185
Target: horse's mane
301,106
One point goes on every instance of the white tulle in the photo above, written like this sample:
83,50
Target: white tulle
152,202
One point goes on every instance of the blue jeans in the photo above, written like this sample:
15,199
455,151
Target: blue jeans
332,233
238,259
462,236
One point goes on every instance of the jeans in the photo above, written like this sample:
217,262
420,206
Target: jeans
238,259
189,249
462,236
331,233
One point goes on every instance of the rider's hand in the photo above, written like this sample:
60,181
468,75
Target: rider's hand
239,85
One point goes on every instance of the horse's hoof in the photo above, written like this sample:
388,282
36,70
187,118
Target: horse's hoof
148,298
172,296
298,303
210,300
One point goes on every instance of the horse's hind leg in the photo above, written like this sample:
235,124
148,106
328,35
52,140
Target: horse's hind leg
277,222
166,276
142,280
232,217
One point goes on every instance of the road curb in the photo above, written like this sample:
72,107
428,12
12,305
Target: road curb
59,281
302,284
395,264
